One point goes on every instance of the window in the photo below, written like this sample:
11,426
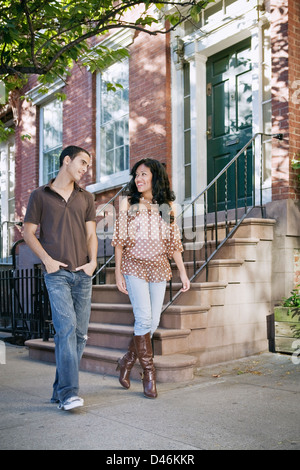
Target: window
7,196
266,104
50,139
113,118
187,131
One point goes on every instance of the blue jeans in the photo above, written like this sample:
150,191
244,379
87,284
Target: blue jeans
70,299
147,300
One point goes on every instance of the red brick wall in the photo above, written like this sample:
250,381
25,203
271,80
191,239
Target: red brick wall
285,108
149,98
79,115
26,152
294,90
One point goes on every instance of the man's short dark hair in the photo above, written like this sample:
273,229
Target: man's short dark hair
72,151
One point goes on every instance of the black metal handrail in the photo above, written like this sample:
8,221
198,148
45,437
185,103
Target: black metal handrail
240,214
211,216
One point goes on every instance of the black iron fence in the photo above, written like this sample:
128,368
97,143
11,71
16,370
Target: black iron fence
25,310
24,305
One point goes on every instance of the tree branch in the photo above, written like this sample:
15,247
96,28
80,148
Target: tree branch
63,29
32,41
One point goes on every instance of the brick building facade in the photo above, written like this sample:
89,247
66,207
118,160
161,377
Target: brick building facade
285,95
155,107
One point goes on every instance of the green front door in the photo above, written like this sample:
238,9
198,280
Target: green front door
229,123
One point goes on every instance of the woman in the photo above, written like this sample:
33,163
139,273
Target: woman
145,238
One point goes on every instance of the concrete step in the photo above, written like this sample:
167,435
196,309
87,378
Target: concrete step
115,313
176,316
221,317
114,304
108,293
234,248
251,227
228,269
169,368
166,340
202,294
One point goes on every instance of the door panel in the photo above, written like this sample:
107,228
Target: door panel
220,114
229,122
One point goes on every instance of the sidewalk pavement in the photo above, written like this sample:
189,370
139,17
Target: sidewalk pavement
247,404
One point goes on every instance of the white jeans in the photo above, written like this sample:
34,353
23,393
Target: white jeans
147,300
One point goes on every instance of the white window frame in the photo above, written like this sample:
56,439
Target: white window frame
41,141
40,99
114,179
119,39
7,218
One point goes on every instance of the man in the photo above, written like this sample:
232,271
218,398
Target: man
67,247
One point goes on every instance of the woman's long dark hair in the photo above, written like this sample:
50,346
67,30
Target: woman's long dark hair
161,191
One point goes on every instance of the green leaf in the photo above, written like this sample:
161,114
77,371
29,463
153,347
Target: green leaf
5,132
25,136
60,28
173,19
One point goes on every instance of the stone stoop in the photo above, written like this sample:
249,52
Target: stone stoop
170,368
222,317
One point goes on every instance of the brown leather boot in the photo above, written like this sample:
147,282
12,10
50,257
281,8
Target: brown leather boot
126,363
145,355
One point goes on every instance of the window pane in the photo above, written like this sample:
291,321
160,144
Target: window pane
51,164
114,102
52,138
187,146
119,159
109,162
187,112
114,136
187,132
187,176
109,137
244,103
127,156
119,134
11,176
186,79
52,125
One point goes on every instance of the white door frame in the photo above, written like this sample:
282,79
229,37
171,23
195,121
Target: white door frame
196,52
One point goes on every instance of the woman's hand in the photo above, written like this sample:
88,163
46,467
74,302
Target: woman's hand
182,272
121,283
185,282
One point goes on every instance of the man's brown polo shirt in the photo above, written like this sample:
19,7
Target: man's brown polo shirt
62,224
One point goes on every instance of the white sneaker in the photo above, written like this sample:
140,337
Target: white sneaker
71,403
